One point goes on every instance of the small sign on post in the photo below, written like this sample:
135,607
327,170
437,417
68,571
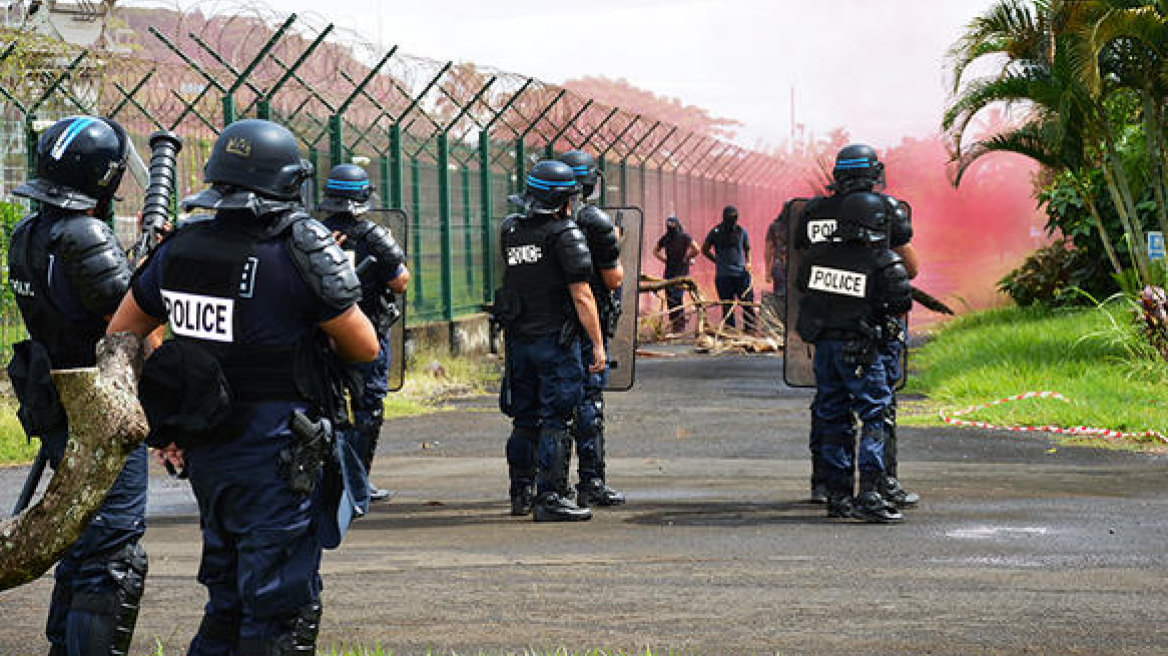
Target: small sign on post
1155,245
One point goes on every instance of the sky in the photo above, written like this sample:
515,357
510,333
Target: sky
873,67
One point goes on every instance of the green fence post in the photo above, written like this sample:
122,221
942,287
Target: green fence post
624,181
444,226
488,244
396,171
602,165
383,171
468,243
520,156
336,140
264,109
228,109
416,229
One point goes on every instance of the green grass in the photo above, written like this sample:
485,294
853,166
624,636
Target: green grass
14,447
1095,357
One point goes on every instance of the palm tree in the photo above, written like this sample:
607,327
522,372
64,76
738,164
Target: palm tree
1067,125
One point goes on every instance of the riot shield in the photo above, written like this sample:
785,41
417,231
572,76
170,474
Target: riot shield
622,347
797,354
398,225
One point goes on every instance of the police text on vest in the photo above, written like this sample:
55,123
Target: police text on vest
200,317
820,230
838,281
517,255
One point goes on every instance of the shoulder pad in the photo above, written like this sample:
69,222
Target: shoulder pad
380,240
323,264
601,235
572,249
93,262
900,230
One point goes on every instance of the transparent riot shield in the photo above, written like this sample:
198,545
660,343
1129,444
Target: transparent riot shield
398,224
797,354
622,347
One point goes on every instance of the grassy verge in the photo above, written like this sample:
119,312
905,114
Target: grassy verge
1095,357
432,379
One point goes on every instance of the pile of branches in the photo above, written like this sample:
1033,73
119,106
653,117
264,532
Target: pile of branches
710,336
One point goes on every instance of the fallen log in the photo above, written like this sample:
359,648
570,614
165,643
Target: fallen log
106,424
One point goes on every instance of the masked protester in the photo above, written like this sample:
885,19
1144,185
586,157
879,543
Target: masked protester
728,247
676,250
253,295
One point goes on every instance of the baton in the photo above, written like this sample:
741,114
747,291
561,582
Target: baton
31,483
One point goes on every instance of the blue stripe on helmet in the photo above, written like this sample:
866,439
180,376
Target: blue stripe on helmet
75,128
548,184
346,184
853,165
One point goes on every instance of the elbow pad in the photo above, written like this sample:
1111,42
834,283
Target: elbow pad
385,248
900,231
323,264
572,250
94,264
601,235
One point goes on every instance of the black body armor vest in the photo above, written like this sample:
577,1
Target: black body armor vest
850,279
534,275
206,285
69,343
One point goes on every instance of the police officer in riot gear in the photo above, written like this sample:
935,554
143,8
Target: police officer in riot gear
588,427
250,294
854,287
544,302
347,195
69,274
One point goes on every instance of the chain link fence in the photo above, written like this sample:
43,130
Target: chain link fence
445,142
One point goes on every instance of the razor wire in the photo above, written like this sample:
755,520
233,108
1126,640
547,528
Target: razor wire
447,142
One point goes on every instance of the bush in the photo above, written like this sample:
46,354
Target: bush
1058,275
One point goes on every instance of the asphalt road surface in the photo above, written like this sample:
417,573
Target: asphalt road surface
1017,548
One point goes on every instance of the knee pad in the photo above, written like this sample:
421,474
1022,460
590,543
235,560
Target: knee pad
107,619
297,636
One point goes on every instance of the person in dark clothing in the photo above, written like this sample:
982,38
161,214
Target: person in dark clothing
728,247
347,196
68,274
775,258
256,293
676,250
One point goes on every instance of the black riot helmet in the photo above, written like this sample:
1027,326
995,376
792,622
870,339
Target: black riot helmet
258,156
857,167
347,190
79,165
587,173
550,185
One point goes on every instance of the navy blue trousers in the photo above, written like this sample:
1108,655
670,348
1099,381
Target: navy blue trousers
261,552
85,568
841,394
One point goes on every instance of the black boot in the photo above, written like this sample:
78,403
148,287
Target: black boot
839,506
551,507
870,506
552,504
594,492
818,492
522,500
891,490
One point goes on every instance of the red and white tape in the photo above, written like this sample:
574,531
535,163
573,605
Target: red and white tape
1106,433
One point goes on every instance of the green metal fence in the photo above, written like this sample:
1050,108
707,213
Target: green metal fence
446,142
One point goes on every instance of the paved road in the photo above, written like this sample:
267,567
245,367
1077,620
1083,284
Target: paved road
1015,549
